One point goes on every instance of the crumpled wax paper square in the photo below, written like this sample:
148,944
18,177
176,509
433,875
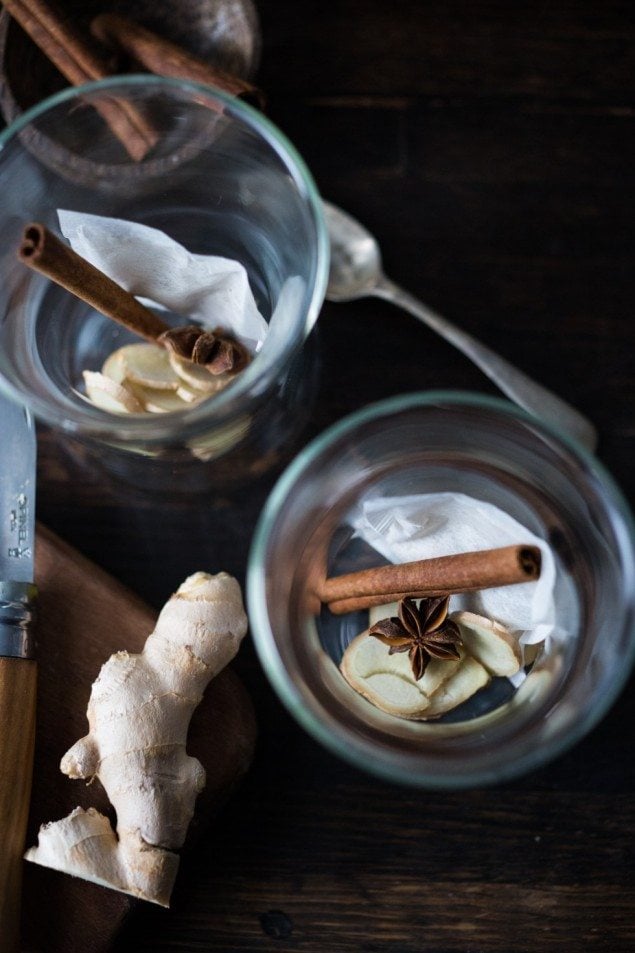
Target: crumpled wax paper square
407,528
205,289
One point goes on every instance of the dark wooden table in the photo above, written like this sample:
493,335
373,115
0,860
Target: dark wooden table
489,145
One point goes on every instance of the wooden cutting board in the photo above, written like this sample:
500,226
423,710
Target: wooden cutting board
84,616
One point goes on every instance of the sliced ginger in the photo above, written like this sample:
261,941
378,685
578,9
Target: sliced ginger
488,649
489,643
387,680
366,659
115,366
465,682
146,378
146,364
110,395
157,401
197,376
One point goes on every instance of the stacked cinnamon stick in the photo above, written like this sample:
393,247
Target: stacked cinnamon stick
158,55
45,253
442,576
116,45
80,62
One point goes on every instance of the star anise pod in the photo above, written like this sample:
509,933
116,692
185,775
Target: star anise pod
216,350
425,632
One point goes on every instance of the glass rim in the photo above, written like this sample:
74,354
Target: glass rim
403,768
154,428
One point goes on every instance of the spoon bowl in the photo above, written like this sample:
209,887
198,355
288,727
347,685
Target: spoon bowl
356,272
355,257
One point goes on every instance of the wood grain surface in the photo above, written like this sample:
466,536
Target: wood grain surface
489,146
18,690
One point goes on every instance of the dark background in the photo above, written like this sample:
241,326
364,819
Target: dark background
489,146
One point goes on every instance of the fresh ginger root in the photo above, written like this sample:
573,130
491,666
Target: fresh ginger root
139,713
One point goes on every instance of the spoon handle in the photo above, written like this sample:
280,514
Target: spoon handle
520,388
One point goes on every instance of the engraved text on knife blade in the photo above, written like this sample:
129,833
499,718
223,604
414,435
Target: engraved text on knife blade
19,529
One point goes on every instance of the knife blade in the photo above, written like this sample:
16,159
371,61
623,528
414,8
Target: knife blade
18,673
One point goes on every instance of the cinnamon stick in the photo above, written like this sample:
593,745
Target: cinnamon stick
42,251
440,576
161,56
79,63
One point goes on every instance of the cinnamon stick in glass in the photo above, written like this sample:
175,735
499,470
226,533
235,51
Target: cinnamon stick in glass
79,63
165,58
439,576
42,251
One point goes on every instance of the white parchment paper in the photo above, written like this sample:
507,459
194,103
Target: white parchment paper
205,289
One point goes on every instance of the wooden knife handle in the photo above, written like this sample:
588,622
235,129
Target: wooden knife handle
18,686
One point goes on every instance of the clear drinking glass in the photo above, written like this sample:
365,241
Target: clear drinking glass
222,180
491,450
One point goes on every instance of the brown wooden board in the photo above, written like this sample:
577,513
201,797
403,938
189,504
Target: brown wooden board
84,615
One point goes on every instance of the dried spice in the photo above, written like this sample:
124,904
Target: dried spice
424,631
181,341
217,351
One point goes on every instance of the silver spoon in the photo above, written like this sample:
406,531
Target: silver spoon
356,272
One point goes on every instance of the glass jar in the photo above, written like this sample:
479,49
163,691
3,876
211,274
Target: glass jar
221,180
492,451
